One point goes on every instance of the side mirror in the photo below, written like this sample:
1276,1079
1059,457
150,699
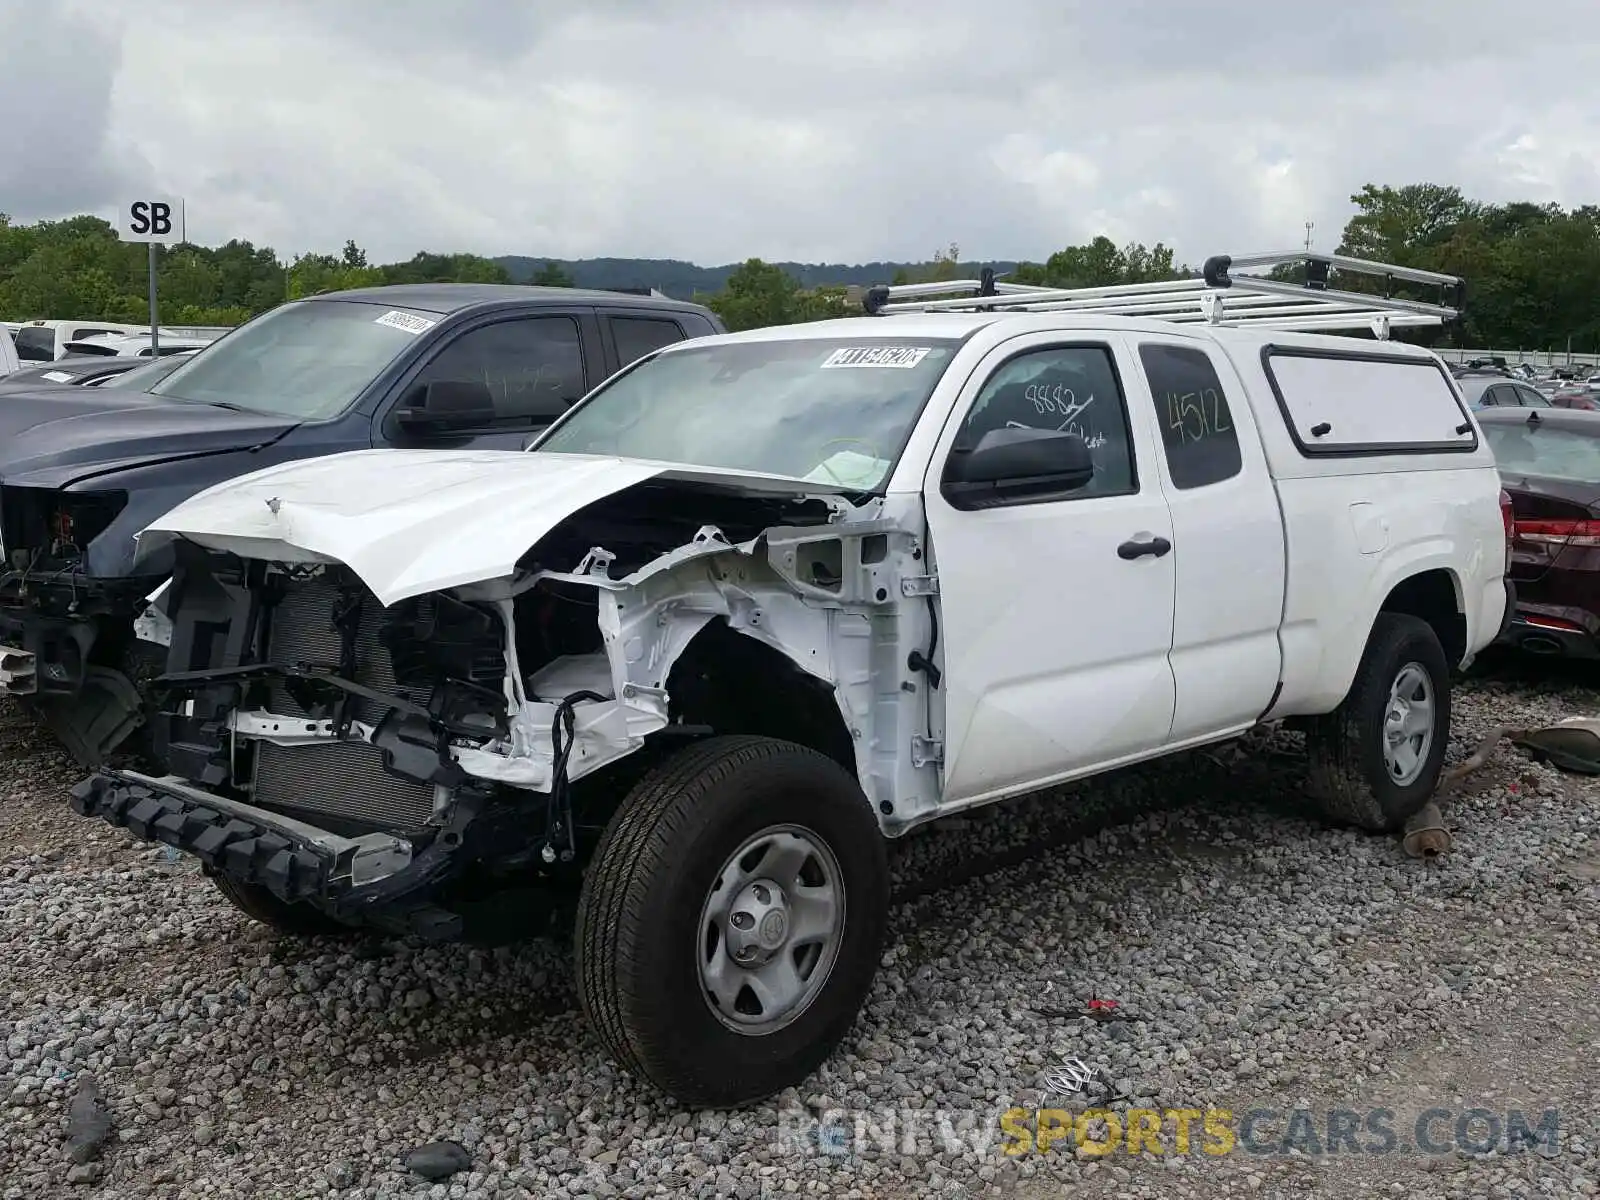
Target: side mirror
1011,464
446,404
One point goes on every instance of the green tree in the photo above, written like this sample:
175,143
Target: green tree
552,274
314,274
1100,263
944,265
757,294
1532,271
445,268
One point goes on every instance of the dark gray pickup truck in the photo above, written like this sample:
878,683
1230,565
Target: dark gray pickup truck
82,471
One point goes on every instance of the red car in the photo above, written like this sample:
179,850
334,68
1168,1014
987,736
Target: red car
1579,396
1549,462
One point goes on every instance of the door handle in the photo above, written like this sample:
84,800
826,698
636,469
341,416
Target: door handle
1155,548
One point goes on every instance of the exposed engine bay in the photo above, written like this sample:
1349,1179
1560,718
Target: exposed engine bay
667,610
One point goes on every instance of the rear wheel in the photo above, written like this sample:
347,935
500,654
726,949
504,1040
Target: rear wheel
294,918
732,918
1376,759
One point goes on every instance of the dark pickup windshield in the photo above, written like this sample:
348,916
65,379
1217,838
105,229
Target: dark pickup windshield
831,410
306,360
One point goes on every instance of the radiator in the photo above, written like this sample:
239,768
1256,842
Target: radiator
343,779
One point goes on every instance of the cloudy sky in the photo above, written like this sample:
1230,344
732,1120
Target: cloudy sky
814,130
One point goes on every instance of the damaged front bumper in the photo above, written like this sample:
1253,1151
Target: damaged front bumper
374,878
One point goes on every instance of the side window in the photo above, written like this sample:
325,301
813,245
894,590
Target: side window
532,366
637,336
1196,425
1532,399
1072,388
36,343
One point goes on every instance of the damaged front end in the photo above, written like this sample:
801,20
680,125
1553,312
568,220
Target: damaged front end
410,765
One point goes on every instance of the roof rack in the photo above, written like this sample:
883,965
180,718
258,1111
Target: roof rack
1216,297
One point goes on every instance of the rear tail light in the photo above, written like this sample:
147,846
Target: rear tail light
1559,532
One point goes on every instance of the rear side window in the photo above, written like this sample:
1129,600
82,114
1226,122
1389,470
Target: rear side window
1339,403
1196,425
1531,398
637,336
36,343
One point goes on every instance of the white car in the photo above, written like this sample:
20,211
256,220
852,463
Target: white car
762,601
137,345
46,341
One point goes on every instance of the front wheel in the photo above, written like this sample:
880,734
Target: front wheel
732,918
1375,760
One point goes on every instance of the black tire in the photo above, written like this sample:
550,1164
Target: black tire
639,913
1348,778
293,919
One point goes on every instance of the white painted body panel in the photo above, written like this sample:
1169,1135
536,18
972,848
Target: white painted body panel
1426,519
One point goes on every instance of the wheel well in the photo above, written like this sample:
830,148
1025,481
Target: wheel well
1432,597
736,684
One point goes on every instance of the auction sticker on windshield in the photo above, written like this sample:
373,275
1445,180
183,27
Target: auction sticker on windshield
904,357
409,322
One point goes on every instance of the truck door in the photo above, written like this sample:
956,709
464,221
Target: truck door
534,363
1057,610
1227,533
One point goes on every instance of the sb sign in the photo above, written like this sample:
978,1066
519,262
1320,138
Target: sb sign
153,219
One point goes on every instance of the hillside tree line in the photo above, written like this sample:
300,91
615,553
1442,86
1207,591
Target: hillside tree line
1532,271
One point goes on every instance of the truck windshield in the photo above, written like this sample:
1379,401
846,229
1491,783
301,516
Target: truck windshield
305,360
827,410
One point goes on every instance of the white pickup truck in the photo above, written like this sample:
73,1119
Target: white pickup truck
763,600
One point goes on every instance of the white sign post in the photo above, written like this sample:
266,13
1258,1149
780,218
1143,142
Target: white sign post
156,220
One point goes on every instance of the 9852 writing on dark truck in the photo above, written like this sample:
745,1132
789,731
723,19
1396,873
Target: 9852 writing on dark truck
443,366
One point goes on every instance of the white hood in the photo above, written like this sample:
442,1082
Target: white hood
406,521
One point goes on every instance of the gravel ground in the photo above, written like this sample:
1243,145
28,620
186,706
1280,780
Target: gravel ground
1258,961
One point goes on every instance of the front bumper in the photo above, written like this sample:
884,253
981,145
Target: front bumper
374,878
